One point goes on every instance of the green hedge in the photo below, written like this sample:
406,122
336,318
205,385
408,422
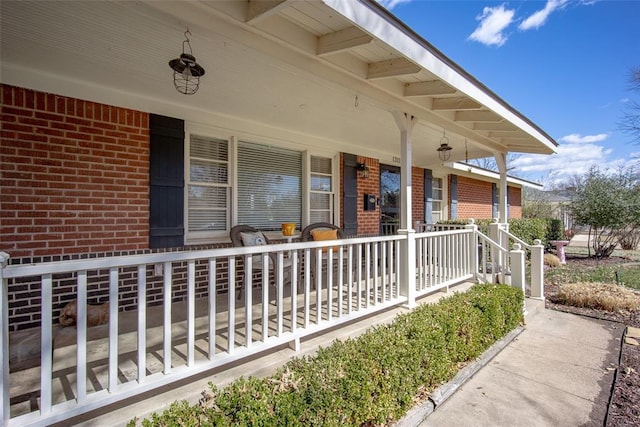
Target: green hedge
369,380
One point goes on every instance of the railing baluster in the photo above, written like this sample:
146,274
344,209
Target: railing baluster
397,267
329,282
367,273
81,331
5,411
359,284
212,291
294,290
46,345
191,313
113,329
265,298
383,270
340,295
376,280
279,292
307,285
350,279
166,320
248,302
142,323
231,303
318,278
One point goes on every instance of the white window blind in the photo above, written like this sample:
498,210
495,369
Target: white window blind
208,186
321,197
269,186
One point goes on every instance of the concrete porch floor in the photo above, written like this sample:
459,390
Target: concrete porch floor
25,383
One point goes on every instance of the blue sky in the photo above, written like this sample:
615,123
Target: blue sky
565,64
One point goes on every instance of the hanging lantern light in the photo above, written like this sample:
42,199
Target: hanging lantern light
186,71
444,151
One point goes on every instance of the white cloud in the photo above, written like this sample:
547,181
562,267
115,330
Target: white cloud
573,158
539,18
493,22
576,138
390,4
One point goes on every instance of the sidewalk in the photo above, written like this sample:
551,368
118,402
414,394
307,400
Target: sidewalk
557,372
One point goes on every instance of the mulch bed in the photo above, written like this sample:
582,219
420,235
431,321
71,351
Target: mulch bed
624,407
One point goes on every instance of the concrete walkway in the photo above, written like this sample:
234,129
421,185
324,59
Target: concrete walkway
558,372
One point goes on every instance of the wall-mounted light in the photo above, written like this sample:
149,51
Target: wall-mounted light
363,170
444,151
186,71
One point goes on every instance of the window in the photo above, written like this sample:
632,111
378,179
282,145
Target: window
321,190
436,185
230,181
269,186
208,189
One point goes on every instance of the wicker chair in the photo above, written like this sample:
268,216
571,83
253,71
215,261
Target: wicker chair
236,239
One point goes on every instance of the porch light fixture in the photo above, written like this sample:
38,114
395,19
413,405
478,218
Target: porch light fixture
363,170
444,151
186,71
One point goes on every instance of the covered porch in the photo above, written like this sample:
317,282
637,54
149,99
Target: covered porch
93,212
54,373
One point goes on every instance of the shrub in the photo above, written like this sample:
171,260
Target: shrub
369,380
529,229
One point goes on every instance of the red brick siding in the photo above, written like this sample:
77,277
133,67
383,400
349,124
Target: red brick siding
75,176
475,198
515,202
369,221
417,195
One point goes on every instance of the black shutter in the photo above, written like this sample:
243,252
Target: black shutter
350,195
166,182
428,196
454,197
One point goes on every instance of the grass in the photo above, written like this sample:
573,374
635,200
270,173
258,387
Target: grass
604,285
601,296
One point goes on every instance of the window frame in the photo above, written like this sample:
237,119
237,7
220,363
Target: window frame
233,138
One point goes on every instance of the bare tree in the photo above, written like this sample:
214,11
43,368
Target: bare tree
630,122
489,163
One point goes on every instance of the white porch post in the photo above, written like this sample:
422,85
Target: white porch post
501,161
517,269
405,123
537,270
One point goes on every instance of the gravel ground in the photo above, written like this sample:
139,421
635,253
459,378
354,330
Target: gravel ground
624,406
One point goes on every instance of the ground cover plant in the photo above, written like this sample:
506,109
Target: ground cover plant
580,287
369,380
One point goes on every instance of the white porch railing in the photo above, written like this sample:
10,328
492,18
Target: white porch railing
153,346
535,254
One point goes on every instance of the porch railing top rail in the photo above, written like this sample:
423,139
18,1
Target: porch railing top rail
57,267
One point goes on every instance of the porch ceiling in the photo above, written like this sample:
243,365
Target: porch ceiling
300,66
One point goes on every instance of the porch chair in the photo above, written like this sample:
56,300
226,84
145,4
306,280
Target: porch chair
245,235
317,232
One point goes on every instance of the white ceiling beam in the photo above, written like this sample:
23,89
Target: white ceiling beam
430,88
392,68
259,9
342,40
454,104
476,116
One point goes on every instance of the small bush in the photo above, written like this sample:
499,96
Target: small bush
369,380
552,260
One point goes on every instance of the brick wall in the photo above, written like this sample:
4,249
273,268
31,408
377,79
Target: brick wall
417,195
71,171
515,202
369,221
475,198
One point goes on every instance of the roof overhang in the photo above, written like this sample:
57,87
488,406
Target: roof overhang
327,73
471,171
